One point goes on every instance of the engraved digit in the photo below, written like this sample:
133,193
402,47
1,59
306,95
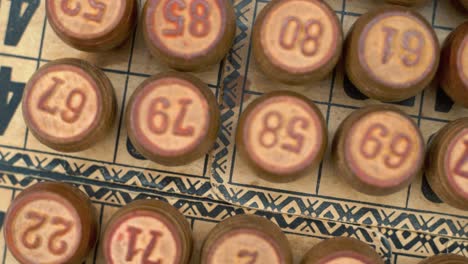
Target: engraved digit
402,155
299,138
388,43
51,245
200,19
155,112
369,137
273,130
416,51
75,110
284,30
461,162
312,37
179,130
171,16
155,235
40,221
43,102
133,233
97,17
251,255
64,4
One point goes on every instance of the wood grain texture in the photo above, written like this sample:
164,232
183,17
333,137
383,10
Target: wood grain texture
51,223
147,231
446,164
392,53
296,41
92,26
197,35
173,118
453,69
282,135
445,259
342,250
378,150
69,105
246,239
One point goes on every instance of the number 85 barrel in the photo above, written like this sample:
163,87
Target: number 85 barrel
378,150
189,34
392,53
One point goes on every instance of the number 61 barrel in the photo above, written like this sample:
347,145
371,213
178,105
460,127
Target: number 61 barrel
378,150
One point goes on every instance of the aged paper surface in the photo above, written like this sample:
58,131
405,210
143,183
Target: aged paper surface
404,227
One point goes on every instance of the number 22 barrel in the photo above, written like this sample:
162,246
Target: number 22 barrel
51,223
295,41
392,53
92,25
378,150
189,34
447,164
69,105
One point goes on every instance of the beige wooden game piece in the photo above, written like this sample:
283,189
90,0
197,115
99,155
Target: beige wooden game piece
189,34
445,259
173,118
295,41
51,223
147,231
453,69
282,135
69,105
342,250
447,164
407,2
92,25
392,53
378,150
246,239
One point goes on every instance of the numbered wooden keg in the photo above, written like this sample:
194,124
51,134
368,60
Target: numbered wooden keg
407,2
246,239
147,231
51,223
342,250
453,69
282,135
172,118
69,105
445,259
295,41
392,53
378,150
92,25
447,164
189,34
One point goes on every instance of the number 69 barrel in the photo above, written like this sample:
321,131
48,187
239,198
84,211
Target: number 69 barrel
189,34
447,164
51,223
392,53
378,150
69,105
92,25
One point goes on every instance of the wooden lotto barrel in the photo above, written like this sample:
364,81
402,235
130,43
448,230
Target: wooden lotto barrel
282,135
189,34
445,259
447,163
246,239
407,2
378,150
172,118
296,41
147,231
91,25
392,53
342,250
69,105
453,69
51,223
